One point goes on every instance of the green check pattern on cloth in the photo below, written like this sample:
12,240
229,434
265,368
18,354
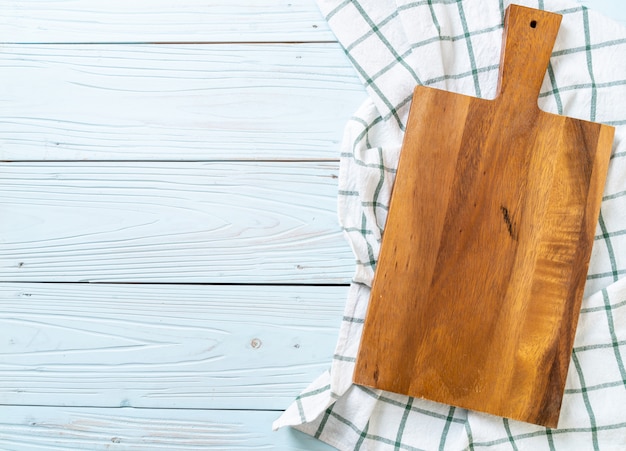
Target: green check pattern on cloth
455,45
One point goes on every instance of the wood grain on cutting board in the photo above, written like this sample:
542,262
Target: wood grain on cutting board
486,248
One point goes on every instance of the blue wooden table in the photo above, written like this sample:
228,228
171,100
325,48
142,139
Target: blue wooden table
173,273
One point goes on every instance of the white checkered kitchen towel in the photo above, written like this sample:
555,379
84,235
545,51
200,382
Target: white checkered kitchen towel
455,45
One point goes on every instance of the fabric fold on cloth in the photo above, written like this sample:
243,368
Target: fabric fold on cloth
455,45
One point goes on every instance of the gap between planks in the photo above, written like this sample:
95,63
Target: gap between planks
285,42
193,284
239,160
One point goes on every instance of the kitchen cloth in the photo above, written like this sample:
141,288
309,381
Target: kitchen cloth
455,45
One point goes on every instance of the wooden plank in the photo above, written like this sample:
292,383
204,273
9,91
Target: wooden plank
175,102
124,21
172,222
477,307
164,346
52,428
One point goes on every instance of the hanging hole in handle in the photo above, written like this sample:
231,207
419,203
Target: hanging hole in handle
533,24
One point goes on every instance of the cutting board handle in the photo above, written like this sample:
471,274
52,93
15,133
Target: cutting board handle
528,39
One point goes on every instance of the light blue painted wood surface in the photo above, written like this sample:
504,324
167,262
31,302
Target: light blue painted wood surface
164,346
119,181
191,222
175,102
124,21
61,429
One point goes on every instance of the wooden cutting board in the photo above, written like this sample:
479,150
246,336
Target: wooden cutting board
485,252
